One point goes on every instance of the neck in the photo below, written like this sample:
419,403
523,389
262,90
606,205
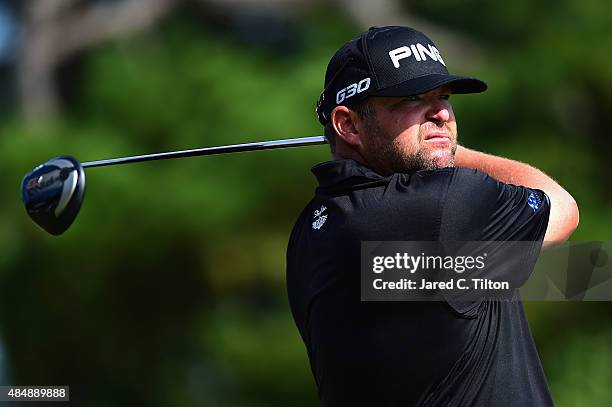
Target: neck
347,152
344,152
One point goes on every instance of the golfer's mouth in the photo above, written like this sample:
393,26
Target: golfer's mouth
437,137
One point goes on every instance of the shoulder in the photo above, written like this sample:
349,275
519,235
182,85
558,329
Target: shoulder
436,186
455,179
469,183
454,174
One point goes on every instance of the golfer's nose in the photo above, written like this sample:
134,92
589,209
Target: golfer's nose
439,112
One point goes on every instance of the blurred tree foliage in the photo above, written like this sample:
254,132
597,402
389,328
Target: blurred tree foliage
169,288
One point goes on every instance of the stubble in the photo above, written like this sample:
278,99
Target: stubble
394,157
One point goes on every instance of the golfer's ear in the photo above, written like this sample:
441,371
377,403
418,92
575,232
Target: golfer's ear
347,125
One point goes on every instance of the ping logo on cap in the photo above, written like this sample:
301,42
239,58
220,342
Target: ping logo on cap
419,52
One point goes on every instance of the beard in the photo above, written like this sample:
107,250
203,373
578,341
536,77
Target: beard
388,153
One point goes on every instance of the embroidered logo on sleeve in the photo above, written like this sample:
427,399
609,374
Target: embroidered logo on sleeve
534,201
319,218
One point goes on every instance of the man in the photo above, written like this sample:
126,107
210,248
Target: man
398,175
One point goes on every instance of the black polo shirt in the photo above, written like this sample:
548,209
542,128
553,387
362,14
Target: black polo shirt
411,353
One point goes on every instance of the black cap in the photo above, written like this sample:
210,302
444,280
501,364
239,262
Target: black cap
387,61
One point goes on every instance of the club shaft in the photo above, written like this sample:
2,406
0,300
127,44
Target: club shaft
233,148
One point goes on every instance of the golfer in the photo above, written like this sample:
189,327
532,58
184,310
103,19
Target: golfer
398,174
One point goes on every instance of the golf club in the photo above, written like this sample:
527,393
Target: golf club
53,192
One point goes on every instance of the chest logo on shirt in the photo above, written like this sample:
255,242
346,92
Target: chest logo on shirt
319,218
534,201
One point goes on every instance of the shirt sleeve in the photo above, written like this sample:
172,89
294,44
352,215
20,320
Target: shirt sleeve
480,208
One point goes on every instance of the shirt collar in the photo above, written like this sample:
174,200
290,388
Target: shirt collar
344,172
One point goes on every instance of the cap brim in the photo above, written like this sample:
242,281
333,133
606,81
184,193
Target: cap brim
423,84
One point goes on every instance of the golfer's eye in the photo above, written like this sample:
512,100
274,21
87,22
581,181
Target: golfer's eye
406,100
445,97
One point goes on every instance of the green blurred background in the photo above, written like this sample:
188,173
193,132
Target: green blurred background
169,289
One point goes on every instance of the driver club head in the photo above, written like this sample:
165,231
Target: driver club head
53,192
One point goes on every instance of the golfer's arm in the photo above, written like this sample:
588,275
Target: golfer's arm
564,214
